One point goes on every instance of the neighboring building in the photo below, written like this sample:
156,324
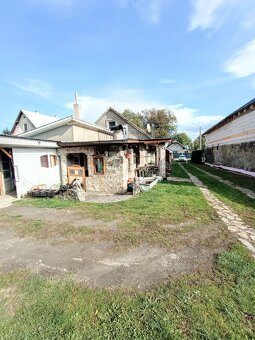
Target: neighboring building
176,149
27,120
27,162
231,142
112,118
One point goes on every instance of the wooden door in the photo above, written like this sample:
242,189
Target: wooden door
76,172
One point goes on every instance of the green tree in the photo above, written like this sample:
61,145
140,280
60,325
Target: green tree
133,117
183,138
6,131
162,122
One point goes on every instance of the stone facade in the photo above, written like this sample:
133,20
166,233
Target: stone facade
241,156
114,179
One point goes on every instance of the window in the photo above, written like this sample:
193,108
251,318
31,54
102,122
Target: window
24,127
44,161
98,165
53,160
111,124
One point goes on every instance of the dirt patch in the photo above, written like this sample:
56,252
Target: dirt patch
101,265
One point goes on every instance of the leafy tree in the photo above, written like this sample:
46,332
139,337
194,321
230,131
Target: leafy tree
183,138
162,122
133,117
6,131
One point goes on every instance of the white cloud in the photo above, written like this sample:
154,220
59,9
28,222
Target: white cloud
243,62
211,14
149,10
189,120
204,13
37,87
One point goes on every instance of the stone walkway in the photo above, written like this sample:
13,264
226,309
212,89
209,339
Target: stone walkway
247,192
244,233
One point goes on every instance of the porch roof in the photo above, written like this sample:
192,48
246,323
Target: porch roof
116,142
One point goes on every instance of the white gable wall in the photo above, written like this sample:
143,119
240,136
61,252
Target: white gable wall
28,169
62,133
20,126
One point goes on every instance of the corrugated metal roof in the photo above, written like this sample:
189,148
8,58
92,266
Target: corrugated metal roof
39,119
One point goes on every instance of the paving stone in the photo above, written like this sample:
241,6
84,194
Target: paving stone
232,220
248,245
232,228
243,234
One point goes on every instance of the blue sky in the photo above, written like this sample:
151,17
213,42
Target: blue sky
194,57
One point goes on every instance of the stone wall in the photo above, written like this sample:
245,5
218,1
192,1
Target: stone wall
113,181
241,156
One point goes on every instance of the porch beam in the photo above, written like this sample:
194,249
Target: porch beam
6,153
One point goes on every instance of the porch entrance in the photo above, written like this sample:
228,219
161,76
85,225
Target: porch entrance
7,180
77,168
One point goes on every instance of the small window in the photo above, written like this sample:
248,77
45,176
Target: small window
25,127
98,164
111,124
44,161
53,160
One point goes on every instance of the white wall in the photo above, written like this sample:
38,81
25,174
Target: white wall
20,126
28,169
240,130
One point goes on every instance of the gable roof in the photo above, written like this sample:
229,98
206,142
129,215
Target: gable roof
175,142
36,119
125,119
65,121
246,108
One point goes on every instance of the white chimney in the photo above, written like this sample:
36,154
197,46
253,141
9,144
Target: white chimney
76,107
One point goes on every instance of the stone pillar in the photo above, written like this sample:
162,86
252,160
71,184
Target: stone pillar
143,154
162,161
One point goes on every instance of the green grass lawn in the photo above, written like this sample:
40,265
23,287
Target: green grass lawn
140,219
214,304
240,180
220,305
177,171
235,199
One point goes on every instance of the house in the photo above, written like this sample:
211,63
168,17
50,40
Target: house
112,118
27,120
70,129
102,166
231,142
106,166
27,162
70,148
176,149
